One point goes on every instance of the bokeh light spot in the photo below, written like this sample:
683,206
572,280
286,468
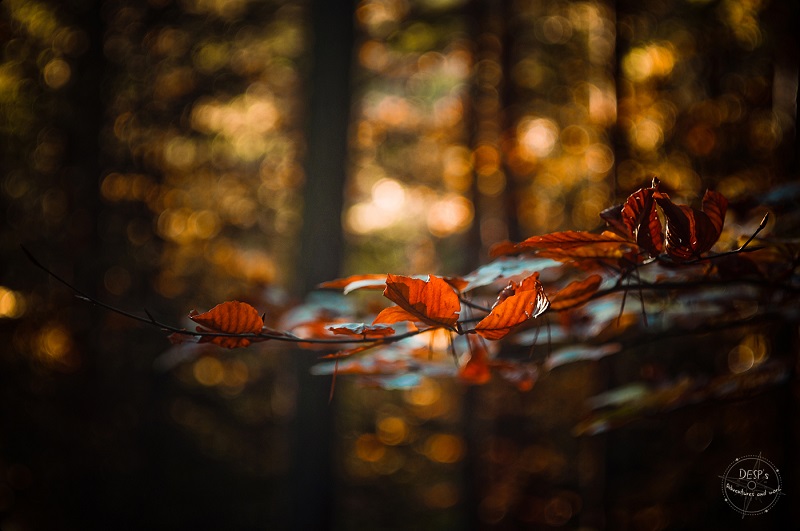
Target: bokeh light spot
450,214
557,511
441,495
117,280
427,393
369,448
208,371
444,448
741,359
538,137
12,304
388,195
392,430
57,73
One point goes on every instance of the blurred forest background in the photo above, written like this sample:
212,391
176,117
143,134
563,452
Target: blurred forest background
172,154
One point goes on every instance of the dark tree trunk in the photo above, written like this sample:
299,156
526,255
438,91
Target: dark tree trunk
321,251
326,159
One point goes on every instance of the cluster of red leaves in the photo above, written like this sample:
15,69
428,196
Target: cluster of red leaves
635,232
646,228
436,302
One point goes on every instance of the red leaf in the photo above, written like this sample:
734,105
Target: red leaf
394,314
232,317
715,206
457,283
476,369
317,327
434,302
503,248
362,330
569,245
575,293
527,302
691,232
613,218
640,216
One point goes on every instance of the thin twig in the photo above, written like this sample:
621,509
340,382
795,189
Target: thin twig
641,297
741,249
470,304
150,320
452,346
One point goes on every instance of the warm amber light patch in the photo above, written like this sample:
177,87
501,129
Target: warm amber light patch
208,371
12,303
441,495
444,448
369,448
57,73
427,393
392,430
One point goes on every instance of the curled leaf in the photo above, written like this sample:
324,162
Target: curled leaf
691,232
506,292
640,216
527,302
232,317
434,302
575,293
613,218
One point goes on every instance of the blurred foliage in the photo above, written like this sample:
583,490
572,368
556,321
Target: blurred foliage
204,122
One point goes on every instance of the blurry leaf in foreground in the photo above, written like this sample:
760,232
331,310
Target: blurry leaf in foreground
575,293
355,282
580,353
401,381
522,375
362,330
476,369
506,267
623,405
